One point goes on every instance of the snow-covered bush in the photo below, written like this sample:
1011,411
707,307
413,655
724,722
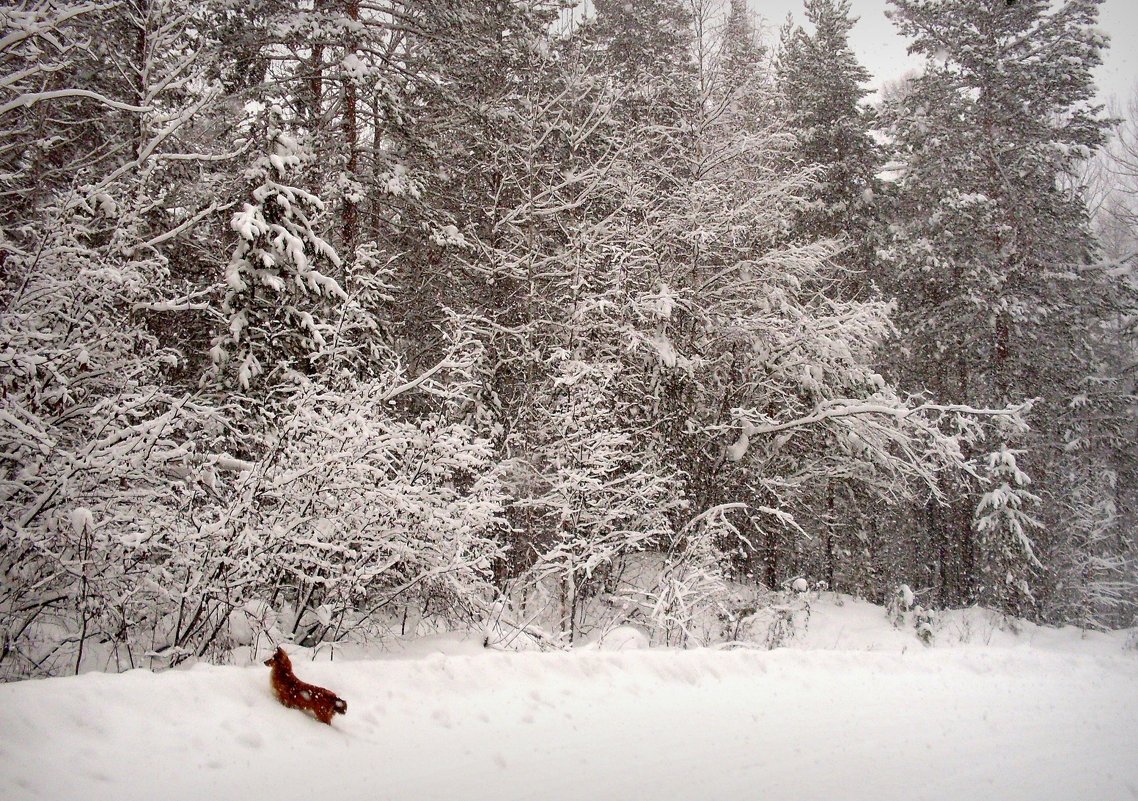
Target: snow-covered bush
1095,563
130,538
900,601
683,598
902,609
756,617
589,495
354,511
102,458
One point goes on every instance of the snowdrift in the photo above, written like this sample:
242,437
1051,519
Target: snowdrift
858,711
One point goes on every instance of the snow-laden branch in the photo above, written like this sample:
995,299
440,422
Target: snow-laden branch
43,30
898,412
31,98
446,363
173,232
30,72
714,511
147,153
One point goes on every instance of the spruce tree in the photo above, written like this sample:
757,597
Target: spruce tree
646,49
279,302
822,91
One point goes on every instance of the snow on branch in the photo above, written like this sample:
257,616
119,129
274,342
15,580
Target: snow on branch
838,409
31,98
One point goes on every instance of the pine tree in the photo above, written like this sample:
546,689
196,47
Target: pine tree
999,295
822,87
647,50
822,91
741,54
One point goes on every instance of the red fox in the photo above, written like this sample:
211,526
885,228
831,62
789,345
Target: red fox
295,694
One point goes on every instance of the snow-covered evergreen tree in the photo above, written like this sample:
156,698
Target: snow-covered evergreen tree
822,89
1000,294
741,53
281,298
1004,526
647,48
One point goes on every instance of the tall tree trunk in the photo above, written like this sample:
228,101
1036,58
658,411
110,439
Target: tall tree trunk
351,136
828,538
316,78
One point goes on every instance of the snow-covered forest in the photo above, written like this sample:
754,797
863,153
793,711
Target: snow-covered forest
333,319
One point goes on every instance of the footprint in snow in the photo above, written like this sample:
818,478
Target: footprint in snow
250,739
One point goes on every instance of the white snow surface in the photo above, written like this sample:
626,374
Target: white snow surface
853,709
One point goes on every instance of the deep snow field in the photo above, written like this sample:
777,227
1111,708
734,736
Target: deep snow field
852,709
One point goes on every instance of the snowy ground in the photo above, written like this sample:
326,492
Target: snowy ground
856,710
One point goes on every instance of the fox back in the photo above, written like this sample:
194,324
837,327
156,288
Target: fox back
296,694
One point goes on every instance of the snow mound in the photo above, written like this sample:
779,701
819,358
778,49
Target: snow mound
855,709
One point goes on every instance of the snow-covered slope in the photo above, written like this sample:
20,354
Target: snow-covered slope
878,718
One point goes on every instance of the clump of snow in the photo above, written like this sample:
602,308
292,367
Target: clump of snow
105,205
251,621
398,182
449,235
738,449
81,520
663,303
354,67
664,349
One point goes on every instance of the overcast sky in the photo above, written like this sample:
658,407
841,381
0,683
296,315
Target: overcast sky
882,50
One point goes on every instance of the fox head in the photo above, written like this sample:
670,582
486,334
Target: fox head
280,658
